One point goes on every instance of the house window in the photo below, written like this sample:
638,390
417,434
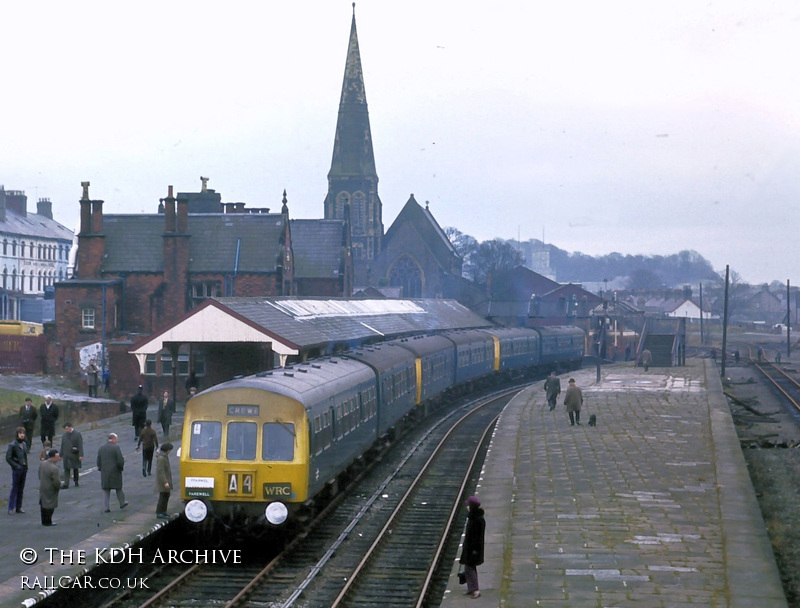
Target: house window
87,318
150,365
166,365
201,291
183,364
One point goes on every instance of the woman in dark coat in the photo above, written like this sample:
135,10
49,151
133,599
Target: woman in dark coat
472,550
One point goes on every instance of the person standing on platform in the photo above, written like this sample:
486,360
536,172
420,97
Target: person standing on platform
148,442
647,357
573,399
166,407
163,480
49,486
48,414
71,453
552,388
138,412
472,549
110,463
17,459
91,378
27,418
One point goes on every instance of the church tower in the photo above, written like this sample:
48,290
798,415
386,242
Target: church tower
352,179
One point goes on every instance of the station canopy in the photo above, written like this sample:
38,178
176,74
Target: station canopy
292,326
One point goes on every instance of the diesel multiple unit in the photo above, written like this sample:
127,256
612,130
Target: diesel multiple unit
262,449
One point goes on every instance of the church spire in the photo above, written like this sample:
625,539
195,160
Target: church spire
353,179
352,149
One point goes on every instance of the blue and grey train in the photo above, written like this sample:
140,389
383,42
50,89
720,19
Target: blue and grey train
263,450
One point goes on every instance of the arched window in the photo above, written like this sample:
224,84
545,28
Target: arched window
33,276
5,247
14,280
31,248
5,278
358,212
40,280
22,249
22,281
407,274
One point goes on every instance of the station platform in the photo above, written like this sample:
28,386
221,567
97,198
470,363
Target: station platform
652,508
32,552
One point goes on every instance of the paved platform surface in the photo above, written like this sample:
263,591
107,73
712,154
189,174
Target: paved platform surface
80,521
651,508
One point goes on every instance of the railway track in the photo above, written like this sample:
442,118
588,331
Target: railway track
380,543
786,384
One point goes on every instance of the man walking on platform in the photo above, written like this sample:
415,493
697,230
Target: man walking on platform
166,407
110,463
573,399
148,441
138,412
552,388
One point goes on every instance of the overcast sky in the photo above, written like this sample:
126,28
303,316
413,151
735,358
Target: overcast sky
638,126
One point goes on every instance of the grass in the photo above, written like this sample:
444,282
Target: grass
11,401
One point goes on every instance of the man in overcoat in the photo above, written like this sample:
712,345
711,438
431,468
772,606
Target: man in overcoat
138,412
27,417
49,485
552,388
573,399
48,414
110,463
163,480
71,453
166,407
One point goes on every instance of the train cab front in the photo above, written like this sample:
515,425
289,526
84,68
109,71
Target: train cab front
244,461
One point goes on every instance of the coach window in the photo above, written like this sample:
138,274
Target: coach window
278,441
206,439
241,441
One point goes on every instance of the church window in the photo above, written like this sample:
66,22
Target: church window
341,200
358,208
407,274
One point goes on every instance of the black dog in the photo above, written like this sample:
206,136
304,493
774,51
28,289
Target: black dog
592,420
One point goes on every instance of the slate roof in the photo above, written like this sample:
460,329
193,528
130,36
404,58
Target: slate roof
317,248
427,227
134,243
35,225
311,322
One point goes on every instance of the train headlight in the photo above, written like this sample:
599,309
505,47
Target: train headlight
276,513
195,511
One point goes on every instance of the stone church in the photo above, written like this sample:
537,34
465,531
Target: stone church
414,258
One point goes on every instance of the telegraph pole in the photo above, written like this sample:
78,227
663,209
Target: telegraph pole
701,315
788,321
725,322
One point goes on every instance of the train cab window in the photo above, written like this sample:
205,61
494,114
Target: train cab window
241,441
277,441
206,440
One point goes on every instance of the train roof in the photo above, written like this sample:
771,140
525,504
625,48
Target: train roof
512,332
424,345
551,330
469,336
306,382
380,357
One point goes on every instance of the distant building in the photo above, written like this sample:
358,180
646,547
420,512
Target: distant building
34,256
